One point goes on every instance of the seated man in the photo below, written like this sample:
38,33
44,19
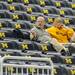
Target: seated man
62,33
41,35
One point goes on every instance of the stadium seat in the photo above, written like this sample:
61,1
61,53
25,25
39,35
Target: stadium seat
65,4
26,2
58,4
41,3
49,3
67,21
53,11
3,6
73,5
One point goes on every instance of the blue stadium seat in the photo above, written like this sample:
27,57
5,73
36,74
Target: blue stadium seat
3,6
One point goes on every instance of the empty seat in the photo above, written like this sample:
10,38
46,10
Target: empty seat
3,6
72,21
49,3
26,45
35,9
68,12
65,4
58,4
11,1
26,2
8,45
73,5
41,2
53,11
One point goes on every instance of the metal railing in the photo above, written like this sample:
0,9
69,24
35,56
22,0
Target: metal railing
25,69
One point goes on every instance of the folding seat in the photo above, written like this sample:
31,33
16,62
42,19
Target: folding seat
58,4
41,3
50,20
59,70
65,4
32,18
66,60
4,45
13,45
26,46
67,21
15,17
1,25
68,12
3,6
17,26
7,24
70,0
26,2
36,46
72,21
45,11
72,49
53,11
49,3
12,1
2,35
36,9
57,59
22,26
10,34
33,2
18,16
4,15
45,48
21,35
27,25
9,1
73,5
29,10
71,70
23,16
11,8
61,12
20,8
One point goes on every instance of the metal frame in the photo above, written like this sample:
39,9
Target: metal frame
2,64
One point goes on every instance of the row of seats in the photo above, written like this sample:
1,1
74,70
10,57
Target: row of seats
27,25
15,25
30,9
26,45
32,18
57,59
44,3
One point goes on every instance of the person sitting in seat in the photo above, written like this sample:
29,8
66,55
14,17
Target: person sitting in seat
60,32
38,32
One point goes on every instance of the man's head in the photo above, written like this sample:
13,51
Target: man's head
58,22
40,22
